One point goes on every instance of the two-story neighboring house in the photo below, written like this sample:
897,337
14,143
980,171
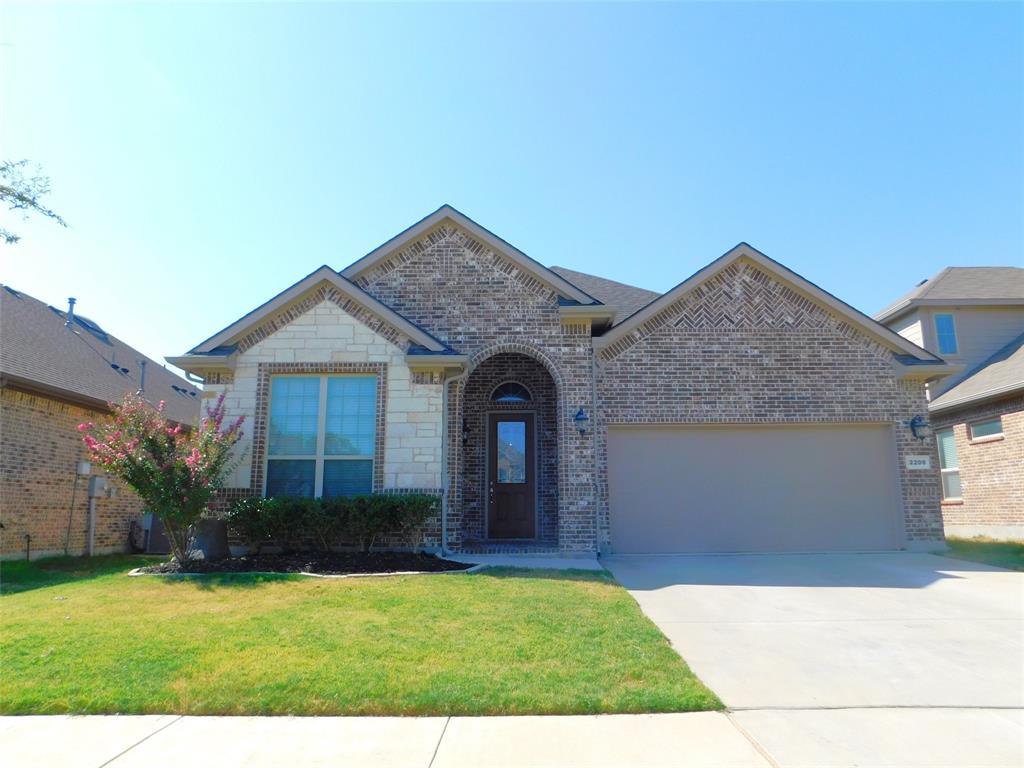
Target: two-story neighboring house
973,317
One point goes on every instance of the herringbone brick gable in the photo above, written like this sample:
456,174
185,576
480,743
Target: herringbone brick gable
741,296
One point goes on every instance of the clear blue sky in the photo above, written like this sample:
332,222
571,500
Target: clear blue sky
207,157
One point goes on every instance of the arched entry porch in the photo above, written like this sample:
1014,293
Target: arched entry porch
508,431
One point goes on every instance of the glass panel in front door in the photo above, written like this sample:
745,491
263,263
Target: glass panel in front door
511,437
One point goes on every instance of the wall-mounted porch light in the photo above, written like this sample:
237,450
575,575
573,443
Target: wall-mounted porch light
919,427
465,433
581,420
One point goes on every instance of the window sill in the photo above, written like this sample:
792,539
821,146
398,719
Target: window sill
952,502
986,439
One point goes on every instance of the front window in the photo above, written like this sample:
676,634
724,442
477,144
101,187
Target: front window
945,334
322,434
949,463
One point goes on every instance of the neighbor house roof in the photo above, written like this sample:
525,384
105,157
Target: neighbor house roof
81,363
1001,374
962,286
881,333
624,299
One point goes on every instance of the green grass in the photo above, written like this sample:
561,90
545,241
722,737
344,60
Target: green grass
1005,554
81,639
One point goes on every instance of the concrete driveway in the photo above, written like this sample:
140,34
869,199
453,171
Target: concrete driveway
866,659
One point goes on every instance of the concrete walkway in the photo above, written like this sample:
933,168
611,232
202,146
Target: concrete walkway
892,659
697,740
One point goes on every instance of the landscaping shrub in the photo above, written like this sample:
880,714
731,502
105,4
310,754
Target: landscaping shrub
360,521
256,521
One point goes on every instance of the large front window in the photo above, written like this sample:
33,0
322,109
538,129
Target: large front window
322,435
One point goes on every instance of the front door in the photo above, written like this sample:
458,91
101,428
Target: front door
511,477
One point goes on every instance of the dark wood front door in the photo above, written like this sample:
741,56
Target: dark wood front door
511,477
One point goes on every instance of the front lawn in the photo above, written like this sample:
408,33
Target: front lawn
1005,554
75,638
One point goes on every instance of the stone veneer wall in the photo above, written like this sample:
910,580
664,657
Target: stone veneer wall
991,472
480,303
745,348
478,389
322,340
40,447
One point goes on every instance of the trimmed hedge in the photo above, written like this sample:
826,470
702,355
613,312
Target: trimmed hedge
361,521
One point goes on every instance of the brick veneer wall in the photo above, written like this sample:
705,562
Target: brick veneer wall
543,404
991,471
744,348
40,447
481,304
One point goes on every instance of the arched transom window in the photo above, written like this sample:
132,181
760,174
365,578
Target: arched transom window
510,392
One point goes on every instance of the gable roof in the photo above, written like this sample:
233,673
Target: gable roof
322,275
1000,374
876,330
447,212
624,299
41,354
962,285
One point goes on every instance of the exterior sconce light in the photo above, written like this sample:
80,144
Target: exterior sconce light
465,433
581,420
919,427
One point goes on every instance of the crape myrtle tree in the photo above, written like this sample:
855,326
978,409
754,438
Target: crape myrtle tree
174,469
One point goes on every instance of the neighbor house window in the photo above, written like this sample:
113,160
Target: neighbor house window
948,463
945,333
322,435
989,428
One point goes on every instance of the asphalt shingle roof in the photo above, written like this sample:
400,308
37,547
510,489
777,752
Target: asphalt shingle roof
965,283
624,299
36,348
1002,373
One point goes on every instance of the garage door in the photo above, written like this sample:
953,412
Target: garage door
753,489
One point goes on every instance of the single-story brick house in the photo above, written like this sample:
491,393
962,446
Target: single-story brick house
974,318
59,369
744,410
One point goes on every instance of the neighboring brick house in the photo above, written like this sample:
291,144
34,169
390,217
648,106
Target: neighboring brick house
974,318
56,373
744,410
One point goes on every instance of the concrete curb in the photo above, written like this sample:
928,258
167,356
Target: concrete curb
473,569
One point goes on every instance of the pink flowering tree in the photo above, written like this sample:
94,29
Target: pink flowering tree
174,469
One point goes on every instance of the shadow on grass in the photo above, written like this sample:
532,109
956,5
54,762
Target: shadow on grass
556,574
18,576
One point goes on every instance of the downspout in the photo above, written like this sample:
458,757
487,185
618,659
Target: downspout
445,480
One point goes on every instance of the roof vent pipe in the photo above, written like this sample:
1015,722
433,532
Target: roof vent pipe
71,312
142,378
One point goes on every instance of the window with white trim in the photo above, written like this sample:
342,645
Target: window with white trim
945,334
987,428
321,436
949,464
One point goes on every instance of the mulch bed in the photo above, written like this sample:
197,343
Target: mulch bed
327,563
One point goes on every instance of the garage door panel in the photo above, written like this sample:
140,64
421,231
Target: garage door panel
744,489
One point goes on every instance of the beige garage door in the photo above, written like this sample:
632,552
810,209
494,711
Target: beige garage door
753,489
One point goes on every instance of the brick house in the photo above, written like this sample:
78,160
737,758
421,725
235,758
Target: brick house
974,318
56,372
746,409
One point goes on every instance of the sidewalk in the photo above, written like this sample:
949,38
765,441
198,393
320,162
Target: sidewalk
704,739
780,738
